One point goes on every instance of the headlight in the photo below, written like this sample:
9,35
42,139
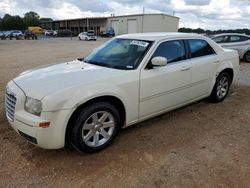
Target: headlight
33,106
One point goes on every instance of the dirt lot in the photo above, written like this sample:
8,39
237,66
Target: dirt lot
201,145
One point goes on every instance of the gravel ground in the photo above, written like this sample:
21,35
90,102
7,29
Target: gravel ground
201,145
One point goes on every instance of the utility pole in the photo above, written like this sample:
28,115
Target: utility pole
143,11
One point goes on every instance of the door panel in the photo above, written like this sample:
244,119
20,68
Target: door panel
164,87
241,47
203,72
204,62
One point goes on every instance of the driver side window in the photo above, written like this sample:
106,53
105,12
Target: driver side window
173,51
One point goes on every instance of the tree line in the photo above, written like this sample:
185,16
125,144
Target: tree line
9,22
210,32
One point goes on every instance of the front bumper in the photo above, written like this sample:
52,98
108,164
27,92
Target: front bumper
91,38
27,125
52,137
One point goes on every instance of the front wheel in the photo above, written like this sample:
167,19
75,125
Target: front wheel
95,127
221,87
247,56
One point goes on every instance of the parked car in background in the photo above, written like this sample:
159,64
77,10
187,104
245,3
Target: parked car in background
37,30
62,33
29,35
2,36
110,32
48,32
238,42
90,35
7,33
17,34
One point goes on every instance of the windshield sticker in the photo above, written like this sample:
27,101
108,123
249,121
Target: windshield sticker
139,43
129,67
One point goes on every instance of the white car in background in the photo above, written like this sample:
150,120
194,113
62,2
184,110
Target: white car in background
234,41
127,80
90,35
48,32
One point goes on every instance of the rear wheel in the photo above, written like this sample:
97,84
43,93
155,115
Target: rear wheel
247,56
221,87
95,127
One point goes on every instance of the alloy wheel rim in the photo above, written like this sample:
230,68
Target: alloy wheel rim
222,87
98,128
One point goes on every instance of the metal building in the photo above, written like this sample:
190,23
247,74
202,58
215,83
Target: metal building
138,23
142,23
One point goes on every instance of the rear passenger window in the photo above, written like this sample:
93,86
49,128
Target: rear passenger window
172,50
199,48
220,39
235,38
244,38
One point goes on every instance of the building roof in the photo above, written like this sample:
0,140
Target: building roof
75,19
151,14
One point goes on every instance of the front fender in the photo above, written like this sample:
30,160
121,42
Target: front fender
72,98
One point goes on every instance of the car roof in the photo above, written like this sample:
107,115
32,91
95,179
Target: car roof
223,34
156,36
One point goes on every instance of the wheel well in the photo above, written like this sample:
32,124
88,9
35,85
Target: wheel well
111,99
244,56
230,72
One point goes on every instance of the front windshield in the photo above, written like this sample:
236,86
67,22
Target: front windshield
119,54
90,33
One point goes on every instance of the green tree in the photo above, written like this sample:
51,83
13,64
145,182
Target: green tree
31,19
12,22
45,20
209,32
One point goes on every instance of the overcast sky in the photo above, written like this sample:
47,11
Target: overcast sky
207,14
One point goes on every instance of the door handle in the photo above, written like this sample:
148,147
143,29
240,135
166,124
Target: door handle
185,68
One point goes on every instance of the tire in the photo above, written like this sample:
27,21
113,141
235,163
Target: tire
247,56
79,38
95,127
221,87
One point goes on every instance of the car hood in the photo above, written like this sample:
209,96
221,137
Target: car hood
42,81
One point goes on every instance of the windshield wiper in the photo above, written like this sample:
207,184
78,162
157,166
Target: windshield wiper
107,65
96,63
80,59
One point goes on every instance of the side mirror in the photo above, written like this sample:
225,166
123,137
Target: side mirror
159,61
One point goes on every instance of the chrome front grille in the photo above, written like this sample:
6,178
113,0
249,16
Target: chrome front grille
10,104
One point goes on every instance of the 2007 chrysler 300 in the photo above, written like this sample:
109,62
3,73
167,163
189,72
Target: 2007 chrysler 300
125,81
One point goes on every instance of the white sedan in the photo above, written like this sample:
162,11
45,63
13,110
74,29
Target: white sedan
235,41
90,35
129,79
